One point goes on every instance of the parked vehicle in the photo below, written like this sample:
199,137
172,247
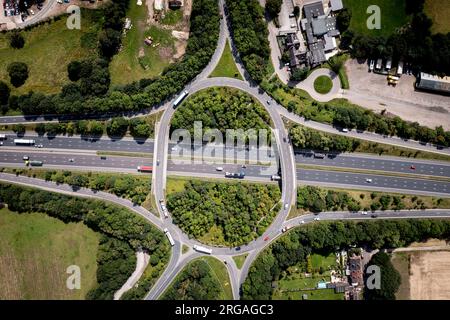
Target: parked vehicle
372,65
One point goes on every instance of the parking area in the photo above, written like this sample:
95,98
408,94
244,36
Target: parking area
16,12
372,90
286,17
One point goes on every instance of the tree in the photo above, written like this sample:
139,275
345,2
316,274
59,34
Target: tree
18,73
74,70
4,93
139,128
337,63
299,74
19,129
390,278
117,127
343,20
16,40
273,7
109,42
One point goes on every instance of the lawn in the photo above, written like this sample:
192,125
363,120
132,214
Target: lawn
136,60
35,251
439,13
48,50
172,17
393,16
323,84
226,66
239,260
318,261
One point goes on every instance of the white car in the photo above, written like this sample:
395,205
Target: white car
32,12
317,219
345,130
174,148
372,65
26,158
364,212
286,205
369,180
302,222
219,169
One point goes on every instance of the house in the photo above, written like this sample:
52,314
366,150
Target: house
336,5
434,83
356,271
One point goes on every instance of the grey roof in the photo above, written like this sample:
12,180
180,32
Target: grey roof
430,82
319,26
313,10
336,5
293,62
329,45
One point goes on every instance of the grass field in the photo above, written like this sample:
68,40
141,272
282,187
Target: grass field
48,50
439,13
323,84
325,262
322,294
226,66
35,251
400,261
393,16
136,60
239,260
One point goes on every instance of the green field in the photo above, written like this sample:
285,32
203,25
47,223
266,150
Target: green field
35,251
239,260
48,50
439,13
322,294
323,84
393,16
137,60
226,66
325,262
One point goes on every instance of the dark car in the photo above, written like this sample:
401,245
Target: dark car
238,249
374,215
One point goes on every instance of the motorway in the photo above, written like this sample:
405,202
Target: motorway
349,161
324,177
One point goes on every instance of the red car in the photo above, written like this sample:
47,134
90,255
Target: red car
266,238
413,167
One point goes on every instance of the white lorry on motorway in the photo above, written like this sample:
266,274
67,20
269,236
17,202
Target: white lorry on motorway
202,249
24,141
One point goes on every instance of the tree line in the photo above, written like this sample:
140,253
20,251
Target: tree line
325,238
250,36
413,43
77,99
123,232
239,211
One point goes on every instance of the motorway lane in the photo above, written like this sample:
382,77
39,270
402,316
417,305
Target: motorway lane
78,143
378,181
373,162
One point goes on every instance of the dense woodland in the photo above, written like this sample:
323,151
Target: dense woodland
250,36
123,232
294,247
78,98
413,43
240,211
195,282
222,109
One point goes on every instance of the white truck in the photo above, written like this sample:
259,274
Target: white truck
202,249
169,237
24,141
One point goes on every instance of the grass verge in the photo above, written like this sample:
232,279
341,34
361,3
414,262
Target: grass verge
226,66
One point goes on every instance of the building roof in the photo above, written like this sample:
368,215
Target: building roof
336,5
330,43
436,83
314,9
319,26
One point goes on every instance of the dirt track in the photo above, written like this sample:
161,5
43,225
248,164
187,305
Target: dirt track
430,275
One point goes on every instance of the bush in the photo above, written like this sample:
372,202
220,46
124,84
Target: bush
18,73
16,40
4,93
